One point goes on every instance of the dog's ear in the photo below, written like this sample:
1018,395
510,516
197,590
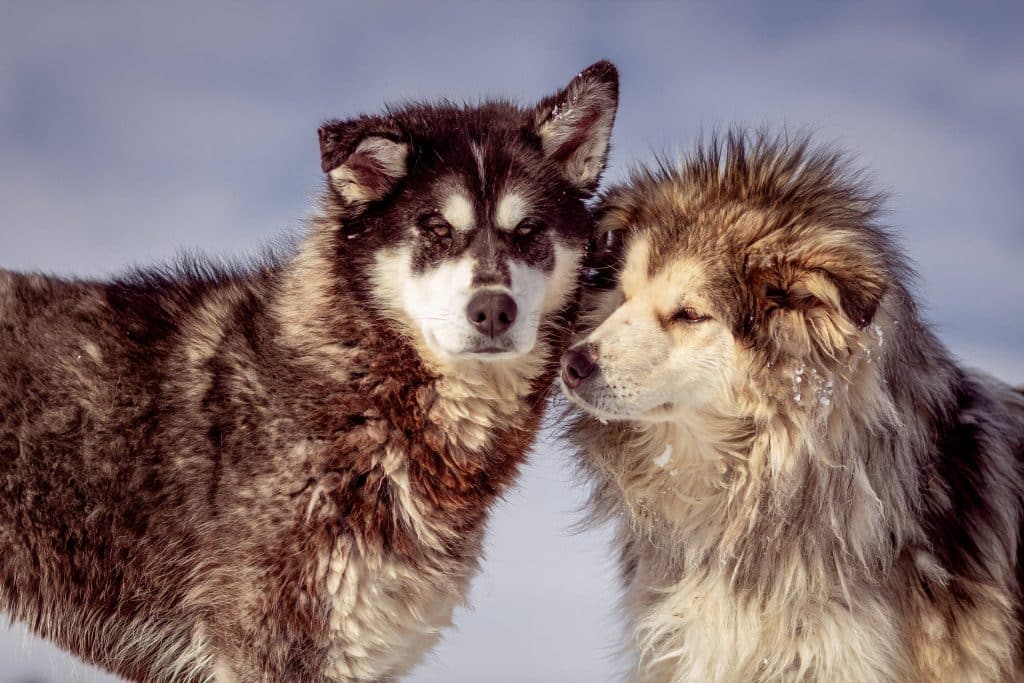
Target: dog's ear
363,158
617,209
611,218
821,297
575,125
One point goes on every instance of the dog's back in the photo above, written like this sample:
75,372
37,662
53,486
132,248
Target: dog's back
95,519
70,393
1015,403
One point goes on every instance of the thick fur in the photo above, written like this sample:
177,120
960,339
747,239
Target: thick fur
271,473
806,486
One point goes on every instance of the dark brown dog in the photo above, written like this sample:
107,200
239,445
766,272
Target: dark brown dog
283,472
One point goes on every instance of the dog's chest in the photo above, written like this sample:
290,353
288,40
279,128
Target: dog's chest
386,611
703,629
383,613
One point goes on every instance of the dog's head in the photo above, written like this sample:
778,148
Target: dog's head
754,257
465,224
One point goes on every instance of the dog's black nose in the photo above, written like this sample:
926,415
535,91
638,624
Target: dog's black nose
492,312
577,365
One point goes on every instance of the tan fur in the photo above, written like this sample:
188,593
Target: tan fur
799,481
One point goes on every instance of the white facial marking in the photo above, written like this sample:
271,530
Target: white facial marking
478,155
511,210
562,277
538,293
458,211
436,300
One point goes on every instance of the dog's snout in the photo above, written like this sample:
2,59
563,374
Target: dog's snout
577,365
492,312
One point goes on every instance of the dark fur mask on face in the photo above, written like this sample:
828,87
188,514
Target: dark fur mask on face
388,174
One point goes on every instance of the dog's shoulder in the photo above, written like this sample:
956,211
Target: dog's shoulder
992,402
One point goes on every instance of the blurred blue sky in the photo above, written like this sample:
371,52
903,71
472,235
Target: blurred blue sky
130,132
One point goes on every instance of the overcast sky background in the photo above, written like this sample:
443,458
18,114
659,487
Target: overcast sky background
129,133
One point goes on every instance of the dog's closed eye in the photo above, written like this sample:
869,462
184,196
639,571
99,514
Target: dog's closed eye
688,314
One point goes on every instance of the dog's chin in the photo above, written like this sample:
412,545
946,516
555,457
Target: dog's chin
489,354
596,411
664,412
484,350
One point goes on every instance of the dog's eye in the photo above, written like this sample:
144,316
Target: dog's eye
436,225
527,227
689,315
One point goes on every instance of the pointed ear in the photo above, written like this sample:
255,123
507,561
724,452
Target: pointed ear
363,161
617,209
575,125
612,216
824,301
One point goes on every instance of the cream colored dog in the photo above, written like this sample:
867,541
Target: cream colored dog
806,486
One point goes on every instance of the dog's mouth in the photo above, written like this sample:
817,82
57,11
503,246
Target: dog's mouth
488,349
598,407
476,347
586,405
491,351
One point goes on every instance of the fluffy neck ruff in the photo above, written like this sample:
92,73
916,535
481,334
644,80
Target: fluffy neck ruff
811,478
